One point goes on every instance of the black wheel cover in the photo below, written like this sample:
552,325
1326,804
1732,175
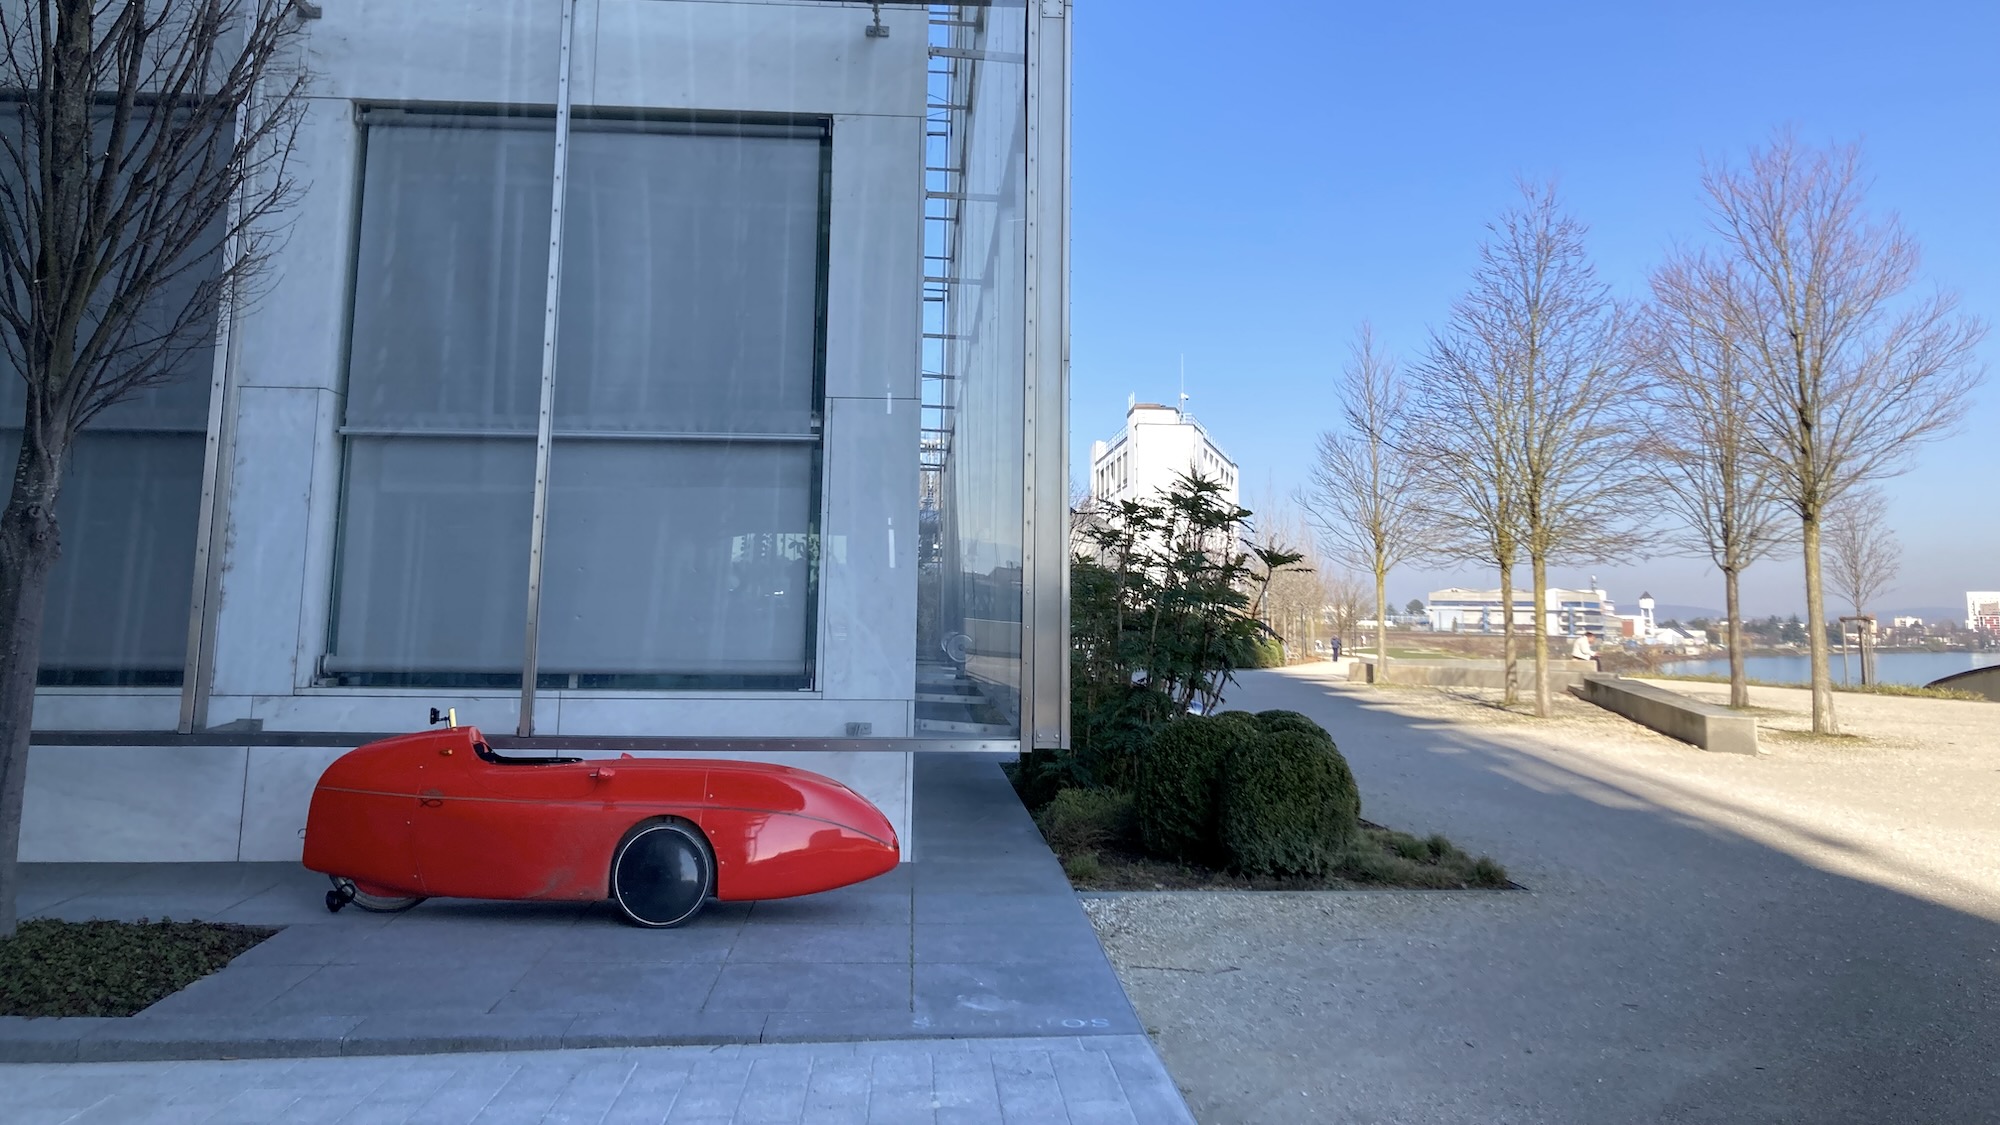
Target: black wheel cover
662,875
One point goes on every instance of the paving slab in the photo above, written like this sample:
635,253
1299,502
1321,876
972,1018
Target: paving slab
980,936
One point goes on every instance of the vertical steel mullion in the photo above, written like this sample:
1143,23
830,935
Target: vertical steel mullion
1061,444
1045,719
545,420
1031,361
195,668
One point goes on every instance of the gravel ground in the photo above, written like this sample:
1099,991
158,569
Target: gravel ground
1810,935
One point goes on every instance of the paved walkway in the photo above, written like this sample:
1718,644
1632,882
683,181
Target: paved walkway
1104,1080
982,936
1705,938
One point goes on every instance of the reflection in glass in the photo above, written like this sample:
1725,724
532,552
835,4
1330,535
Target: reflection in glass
444,381
969,616
683,484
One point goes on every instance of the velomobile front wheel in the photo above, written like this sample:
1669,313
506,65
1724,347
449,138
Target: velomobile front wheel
368,898
662,873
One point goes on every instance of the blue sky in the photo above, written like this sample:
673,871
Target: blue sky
1252,180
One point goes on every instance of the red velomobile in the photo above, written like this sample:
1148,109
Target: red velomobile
440,814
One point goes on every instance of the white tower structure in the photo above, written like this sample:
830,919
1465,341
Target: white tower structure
1157,444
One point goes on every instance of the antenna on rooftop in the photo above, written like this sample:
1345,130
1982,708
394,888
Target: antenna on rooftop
1184,399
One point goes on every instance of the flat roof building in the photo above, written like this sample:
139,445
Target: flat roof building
1158,445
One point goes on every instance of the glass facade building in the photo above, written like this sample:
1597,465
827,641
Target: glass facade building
673,377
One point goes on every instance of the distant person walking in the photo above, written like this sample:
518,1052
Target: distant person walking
1336,648
1581,649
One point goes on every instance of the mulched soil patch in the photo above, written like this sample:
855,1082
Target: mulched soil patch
56,968
1379,867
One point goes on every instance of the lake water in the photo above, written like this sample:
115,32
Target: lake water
1890,667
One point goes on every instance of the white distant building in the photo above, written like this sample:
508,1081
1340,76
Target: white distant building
1635,626
1158,444
1566,612
1909,623
1982,610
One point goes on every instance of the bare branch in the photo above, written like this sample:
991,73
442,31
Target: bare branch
1364,499
1861,549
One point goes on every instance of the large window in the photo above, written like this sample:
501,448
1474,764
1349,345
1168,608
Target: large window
683,483
121,593
119,598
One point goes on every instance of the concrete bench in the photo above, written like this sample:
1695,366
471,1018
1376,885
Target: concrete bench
1675,715
1564,675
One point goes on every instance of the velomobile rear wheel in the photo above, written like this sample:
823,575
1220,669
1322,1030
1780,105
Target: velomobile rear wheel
662,873
368,899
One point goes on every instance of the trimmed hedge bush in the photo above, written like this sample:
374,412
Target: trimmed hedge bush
1083,820
1274,722
1290,806
1179,785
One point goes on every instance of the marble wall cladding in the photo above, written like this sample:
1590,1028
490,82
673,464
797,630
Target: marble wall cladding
129,804
270,510
869,582
382,712
754,57
107,709
744,716
493,51
874,294
278,785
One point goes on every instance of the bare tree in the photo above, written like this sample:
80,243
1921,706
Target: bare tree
1522,429
144,146
1573,436
1346,600
1697,449
1299,596
1850,371
1461,414
1363,498
1861,548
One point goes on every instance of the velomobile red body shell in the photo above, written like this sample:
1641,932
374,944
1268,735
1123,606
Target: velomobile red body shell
439,814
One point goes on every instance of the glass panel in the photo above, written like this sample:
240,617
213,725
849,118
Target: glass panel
675,563
690,307
451,271
118,600
434,562
969,616
690,282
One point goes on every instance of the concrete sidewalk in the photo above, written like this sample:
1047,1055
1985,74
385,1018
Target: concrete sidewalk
1104,1080
982,936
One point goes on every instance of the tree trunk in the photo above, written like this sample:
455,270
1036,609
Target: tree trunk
1511,693
29,545
1739,683
1381,618
1822,674
1543,704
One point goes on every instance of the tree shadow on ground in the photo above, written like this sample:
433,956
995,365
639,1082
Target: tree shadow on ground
1687,955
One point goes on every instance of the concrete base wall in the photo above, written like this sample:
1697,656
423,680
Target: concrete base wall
1703,724
208,804
1465,673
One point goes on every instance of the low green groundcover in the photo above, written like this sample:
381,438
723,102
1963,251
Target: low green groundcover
55,968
